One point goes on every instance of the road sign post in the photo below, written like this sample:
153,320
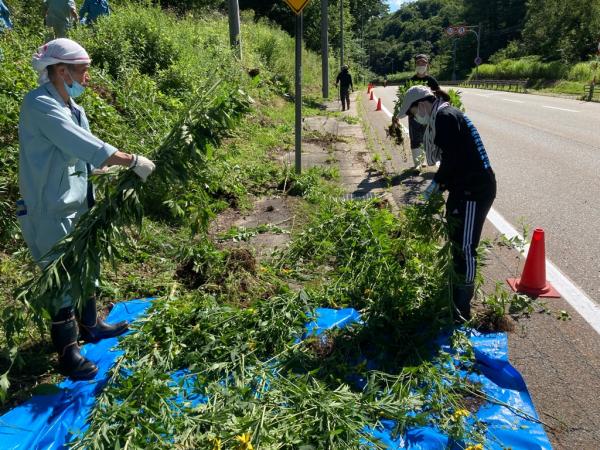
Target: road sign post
235,39
325,47
297,6
460,31
298,97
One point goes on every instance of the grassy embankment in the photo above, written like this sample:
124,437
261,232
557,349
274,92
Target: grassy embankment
148,67
551,77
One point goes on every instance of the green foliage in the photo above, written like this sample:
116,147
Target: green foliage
510,29
99,232
530,67
134,106
264,385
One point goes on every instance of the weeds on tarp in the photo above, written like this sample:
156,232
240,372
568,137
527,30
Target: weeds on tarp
264,387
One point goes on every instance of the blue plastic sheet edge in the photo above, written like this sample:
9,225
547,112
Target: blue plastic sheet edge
50,421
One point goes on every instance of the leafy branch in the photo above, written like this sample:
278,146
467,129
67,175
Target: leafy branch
100,232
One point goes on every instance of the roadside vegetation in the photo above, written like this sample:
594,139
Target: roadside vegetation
553,44
229,323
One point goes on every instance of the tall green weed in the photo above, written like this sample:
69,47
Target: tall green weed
533,68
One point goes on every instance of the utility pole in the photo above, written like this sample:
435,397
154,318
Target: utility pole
454,61
325,46
235,39
298,97
341,33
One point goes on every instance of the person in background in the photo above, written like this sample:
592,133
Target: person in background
415,129
60,15
57,153
5,22
344,80
92,9
465,172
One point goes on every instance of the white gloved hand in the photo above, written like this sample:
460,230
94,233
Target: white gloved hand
142,167
432,189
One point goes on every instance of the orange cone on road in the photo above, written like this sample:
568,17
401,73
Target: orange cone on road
378,105
371,97
369,87
533,279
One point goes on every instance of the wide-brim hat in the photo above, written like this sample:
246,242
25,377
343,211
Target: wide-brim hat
414,94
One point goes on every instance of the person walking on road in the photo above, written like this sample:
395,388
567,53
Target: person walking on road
5,22
57,153
344,80
415,129
465,172
60,15
92,9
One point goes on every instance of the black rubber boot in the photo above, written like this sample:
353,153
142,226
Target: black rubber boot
461,296
93,329
64,337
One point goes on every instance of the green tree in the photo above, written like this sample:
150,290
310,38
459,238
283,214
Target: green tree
557,29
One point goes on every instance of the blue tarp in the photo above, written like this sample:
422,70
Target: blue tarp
50,421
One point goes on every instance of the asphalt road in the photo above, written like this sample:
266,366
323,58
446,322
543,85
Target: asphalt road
546,155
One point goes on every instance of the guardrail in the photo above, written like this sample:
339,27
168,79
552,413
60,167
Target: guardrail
516,85
591,92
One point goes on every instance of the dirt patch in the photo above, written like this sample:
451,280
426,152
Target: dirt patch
240,259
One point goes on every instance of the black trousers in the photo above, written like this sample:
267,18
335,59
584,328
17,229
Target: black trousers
416,132
345,97
465,220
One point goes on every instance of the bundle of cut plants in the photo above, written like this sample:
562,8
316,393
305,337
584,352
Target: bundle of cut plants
199,373
102,232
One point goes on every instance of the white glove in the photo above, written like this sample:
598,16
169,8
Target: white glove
432,189
142,167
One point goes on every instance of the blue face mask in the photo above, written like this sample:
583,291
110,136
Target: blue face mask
75,90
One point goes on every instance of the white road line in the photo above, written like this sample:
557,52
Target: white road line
589,310
383,108
560,109
512,101
486,95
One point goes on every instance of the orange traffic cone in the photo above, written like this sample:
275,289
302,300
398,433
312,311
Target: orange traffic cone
378,105
369,87
371,97
533,279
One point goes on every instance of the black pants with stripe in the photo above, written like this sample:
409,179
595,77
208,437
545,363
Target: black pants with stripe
465,220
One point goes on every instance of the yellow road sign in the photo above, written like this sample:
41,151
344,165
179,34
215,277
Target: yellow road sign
297,5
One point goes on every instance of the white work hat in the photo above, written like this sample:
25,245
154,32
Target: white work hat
414,94
58,51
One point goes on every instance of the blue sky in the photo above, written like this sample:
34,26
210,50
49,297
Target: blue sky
395,4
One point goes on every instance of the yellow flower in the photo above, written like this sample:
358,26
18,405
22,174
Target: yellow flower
245,441
286,271
460,413
216,444
475,447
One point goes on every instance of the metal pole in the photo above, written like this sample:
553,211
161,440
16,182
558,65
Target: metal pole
341,33
298,97
235,39
454,61
325,46
478,34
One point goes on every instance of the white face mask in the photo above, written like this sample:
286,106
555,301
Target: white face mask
421,70
421,118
